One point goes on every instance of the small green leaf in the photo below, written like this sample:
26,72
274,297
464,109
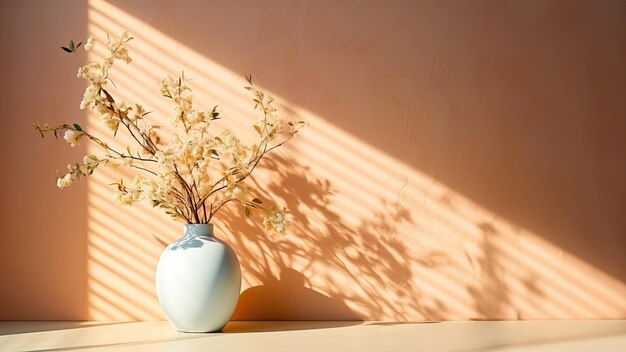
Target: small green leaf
247,210
72,45
77,127
67,49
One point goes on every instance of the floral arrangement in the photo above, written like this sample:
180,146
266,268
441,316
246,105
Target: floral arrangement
192,174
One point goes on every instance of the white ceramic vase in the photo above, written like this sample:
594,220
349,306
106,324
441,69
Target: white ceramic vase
198,280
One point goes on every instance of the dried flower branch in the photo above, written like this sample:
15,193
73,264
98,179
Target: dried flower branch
185,177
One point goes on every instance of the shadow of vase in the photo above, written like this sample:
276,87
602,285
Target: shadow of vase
287,298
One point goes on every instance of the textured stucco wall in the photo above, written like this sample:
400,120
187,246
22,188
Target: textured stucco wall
465,159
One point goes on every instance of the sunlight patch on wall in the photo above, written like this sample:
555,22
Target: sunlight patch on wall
372,237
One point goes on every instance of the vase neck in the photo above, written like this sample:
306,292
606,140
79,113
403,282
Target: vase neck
198,230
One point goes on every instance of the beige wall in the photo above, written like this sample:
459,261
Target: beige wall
465,160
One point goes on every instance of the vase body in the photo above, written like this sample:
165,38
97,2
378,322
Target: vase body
198,280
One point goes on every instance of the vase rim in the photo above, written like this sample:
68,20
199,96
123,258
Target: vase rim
199,229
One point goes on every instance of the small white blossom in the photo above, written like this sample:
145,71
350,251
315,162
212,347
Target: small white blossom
91,41
73,137
90,97
137,113
237,191
64,181
123,198
231,146
164,87
275,221
112,122
196,116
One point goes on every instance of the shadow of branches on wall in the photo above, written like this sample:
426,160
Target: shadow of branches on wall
297,274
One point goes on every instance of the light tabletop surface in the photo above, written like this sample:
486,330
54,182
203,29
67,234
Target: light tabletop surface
301,336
